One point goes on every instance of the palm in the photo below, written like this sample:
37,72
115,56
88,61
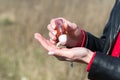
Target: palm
44,42
72,54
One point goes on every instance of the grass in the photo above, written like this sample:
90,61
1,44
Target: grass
22,57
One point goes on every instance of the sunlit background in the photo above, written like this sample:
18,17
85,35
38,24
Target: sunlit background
22,57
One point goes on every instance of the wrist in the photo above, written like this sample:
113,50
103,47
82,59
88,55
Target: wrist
89,57
81,38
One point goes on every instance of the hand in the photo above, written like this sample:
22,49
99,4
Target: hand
74,34
78,54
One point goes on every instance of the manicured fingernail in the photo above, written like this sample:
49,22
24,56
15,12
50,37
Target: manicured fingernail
52,41
54,32
53,38
51,53
35,35
53,26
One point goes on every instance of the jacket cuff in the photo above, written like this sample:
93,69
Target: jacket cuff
104,67
91,61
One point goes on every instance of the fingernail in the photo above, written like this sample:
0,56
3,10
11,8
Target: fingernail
35,35
65,24
52,41
53,38
53,26
51,53
54,32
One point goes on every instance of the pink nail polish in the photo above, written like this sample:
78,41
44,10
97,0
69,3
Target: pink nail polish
55,32
51,53
53,26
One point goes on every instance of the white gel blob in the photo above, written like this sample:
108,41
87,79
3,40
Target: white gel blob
62,39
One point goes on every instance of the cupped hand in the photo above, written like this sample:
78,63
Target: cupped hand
74,35
77,54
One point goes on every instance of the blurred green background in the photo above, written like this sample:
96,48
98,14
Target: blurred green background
22,57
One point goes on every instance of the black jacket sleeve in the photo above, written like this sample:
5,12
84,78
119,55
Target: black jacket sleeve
93,43
105,67
111,30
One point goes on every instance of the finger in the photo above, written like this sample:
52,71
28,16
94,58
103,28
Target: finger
50,28
52,36
68,25
71,27
52,45
61,58
54,42
62,53
44,42
52,22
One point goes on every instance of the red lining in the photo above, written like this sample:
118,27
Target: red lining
90,63
116,49
115,52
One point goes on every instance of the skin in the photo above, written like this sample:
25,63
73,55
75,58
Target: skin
75,54
73,32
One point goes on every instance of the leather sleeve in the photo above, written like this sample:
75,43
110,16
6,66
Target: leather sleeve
110,31
102,71
105,67
93,43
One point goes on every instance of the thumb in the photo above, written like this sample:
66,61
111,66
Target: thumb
70,26
59,52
